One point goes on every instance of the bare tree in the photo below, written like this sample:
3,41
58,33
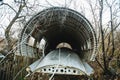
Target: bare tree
7,31
106,41
102,36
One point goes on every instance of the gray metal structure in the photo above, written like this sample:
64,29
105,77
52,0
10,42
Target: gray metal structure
56,25
61,61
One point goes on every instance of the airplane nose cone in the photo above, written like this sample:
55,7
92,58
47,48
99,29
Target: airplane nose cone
62,61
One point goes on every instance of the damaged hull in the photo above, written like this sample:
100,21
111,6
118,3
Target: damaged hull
62,61
59,25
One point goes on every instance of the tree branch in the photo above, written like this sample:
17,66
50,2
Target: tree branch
99,64
49,3
102,36
9,6
117,26
7,36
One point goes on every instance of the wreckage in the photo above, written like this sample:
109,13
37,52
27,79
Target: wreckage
68,42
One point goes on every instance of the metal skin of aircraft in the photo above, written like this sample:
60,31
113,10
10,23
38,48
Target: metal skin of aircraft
59,25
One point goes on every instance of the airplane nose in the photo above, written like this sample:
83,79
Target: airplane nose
62,61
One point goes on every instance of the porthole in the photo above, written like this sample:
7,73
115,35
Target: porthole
74,71
49,69
44,69
61,70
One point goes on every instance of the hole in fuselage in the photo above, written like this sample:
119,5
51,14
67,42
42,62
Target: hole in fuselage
49,69
61,70
44,69
68,70
74,71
